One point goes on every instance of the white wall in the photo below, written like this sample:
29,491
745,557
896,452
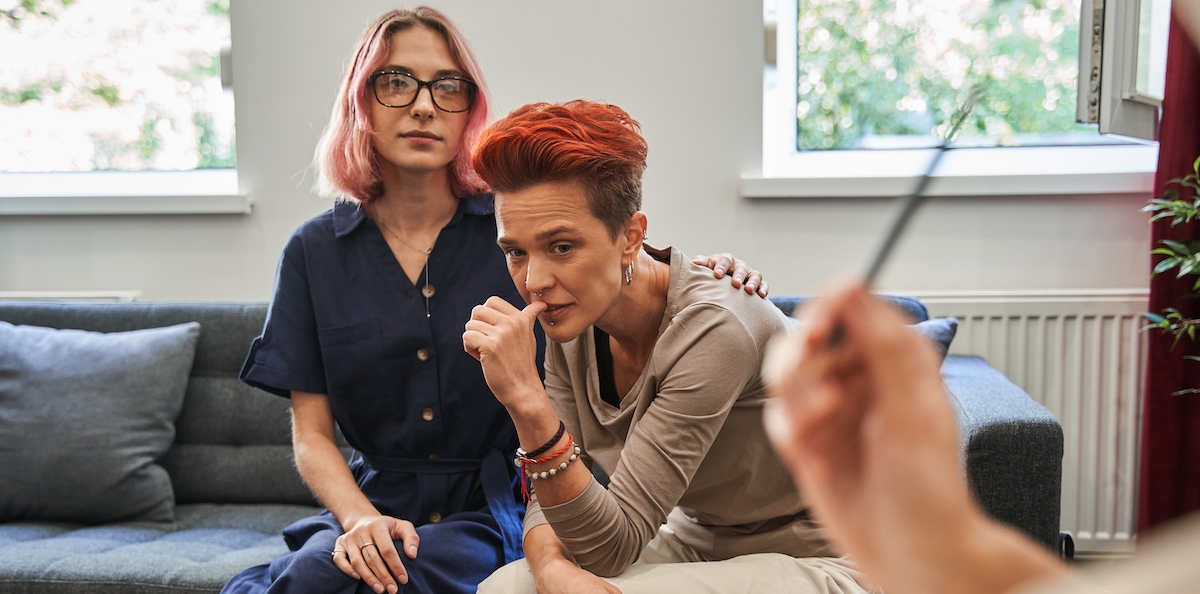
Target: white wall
689,71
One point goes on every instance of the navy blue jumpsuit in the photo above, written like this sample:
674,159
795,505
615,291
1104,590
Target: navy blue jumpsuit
433,446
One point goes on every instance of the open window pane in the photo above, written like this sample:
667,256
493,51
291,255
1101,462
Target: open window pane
1154,25
114,85
888,73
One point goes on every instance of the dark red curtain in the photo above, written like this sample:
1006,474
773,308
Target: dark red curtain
1169,484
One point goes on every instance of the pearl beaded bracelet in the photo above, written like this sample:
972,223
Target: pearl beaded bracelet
553,471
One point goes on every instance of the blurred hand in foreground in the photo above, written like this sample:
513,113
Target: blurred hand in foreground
870,437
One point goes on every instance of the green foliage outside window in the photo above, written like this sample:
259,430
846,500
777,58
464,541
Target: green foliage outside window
32,8
114,84
874,70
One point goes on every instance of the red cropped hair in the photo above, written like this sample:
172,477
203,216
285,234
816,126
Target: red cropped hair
346,161
596,144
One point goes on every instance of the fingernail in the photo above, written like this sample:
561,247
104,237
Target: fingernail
750,287
737,278
378,587
404,579
392,589
412,549
356,576
718,271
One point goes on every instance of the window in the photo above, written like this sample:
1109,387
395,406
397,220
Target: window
115,86
855,76
1125,63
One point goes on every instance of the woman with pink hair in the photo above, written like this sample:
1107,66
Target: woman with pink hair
364,333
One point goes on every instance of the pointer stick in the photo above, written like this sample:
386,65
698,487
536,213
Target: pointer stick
909,203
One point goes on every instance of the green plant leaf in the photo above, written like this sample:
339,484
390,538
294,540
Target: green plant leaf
1187,267
1186,391
1180,247
108,93
1162,252
1166,265
1153,317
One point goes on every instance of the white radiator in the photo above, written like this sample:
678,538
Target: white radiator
1080,354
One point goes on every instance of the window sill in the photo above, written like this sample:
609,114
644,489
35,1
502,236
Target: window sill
1010,171
123,193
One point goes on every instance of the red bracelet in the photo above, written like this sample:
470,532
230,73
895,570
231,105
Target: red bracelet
523,461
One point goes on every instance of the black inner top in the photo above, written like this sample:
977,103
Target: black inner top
604,360
604,369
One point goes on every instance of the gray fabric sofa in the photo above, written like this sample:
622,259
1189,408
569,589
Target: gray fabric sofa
236,485
231,467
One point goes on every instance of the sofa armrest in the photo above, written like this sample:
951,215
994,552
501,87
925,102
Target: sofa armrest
1012,445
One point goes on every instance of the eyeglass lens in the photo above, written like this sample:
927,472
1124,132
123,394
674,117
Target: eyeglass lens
394,89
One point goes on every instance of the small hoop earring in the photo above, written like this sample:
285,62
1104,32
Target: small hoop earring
629,273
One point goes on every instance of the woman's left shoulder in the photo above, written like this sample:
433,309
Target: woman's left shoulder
756,317
695,292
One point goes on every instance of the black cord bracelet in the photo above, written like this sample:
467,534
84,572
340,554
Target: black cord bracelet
549,444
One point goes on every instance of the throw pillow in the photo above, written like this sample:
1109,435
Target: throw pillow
940,330
84,416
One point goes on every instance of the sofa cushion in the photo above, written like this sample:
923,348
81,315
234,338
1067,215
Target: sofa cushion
205,546
912,307
232,442
940,330
83,418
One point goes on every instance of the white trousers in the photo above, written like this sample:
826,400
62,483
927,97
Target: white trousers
668,565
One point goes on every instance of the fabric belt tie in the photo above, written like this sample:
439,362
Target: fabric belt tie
493,475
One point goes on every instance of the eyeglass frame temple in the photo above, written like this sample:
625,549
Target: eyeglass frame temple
473,89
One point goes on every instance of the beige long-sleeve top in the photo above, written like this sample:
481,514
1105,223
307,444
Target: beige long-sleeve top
687,437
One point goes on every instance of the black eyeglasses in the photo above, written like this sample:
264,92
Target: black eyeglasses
399,89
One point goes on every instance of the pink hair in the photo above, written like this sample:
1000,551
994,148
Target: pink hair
346,160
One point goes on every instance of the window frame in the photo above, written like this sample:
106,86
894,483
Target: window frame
1006,171
199,191
1122,109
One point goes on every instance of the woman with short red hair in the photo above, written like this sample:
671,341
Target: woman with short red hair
651,373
